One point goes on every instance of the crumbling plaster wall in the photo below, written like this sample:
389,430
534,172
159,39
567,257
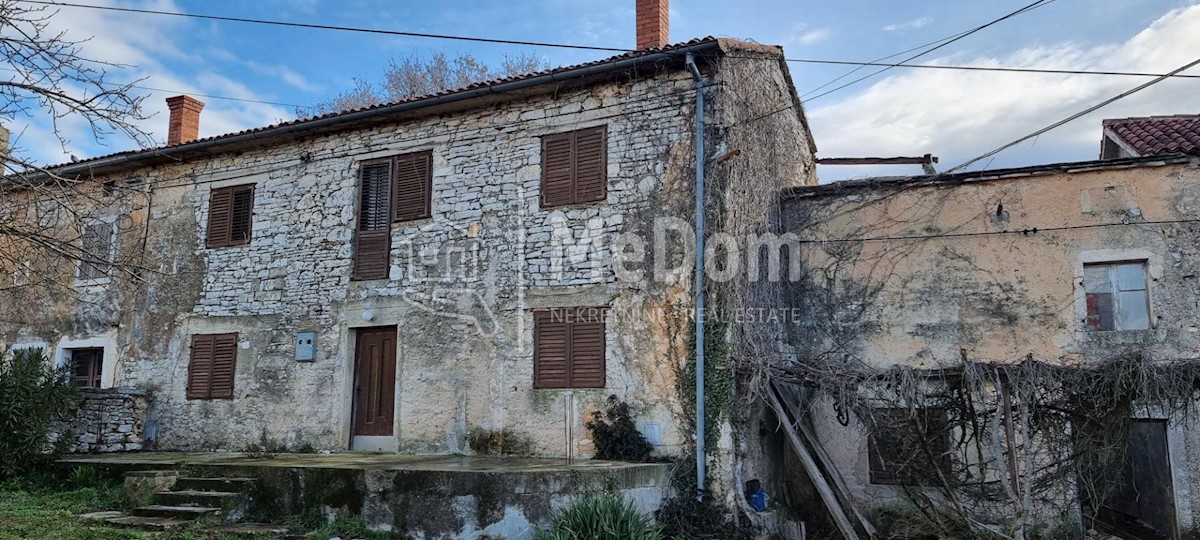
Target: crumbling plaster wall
979,283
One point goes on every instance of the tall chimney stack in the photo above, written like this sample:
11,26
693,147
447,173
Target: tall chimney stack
184,124
653,23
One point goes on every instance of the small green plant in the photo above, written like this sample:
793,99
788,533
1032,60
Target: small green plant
35,395
499,442
350,527
601,517
686,517
265,448
616,436
86,477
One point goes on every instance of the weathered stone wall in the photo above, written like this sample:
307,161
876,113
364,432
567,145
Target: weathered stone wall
991,270
460,288
108,420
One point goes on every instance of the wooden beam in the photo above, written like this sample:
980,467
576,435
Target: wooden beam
839,483
814,472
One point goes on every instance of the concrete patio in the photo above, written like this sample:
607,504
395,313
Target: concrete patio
422,496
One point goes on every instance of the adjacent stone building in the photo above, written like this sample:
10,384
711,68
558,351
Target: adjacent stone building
404,276
917,284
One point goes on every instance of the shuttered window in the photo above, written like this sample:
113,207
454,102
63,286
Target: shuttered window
212,366
574,167
98,246
230,216
390,190
568,348
414,183
372,241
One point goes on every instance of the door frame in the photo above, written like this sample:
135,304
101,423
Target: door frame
370,443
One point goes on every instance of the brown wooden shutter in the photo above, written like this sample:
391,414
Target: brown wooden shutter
569,348
230,216
587,349
373,238
591,163
224,365
212,366
414,186
220,210
551,351
241,217
200,367
557,169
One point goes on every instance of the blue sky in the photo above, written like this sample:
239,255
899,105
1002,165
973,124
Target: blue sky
954,115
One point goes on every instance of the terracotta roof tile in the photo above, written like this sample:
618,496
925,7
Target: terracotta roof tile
474,86
1158,134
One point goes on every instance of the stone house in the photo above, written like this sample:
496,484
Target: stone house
417,275
1014,271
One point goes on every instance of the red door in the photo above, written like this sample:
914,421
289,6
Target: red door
375,381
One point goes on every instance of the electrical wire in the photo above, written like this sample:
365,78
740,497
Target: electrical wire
1029,7
876,63
1028,231
1073,117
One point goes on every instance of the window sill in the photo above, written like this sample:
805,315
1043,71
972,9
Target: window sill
1119,336
92,283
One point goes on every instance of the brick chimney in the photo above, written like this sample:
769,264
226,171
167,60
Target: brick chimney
184,124
653,23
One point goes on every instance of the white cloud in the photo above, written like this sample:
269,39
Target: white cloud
149,45
803,34
908,25
959,114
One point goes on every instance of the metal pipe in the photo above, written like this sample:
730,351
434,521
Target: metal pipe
569,420
698,284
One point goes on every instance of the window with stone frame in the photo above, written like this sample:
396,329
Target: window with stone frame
97,250
86,367
569,348
1117,296
230,216
909,446
575,167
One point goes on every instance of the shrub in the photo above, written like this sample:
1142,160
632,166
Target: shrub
616,436
35,395
600,517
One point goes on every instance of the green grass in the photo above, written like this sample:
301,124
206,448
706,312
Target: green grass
48,507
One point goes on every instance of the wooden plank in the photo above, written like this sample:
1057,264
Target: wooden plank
814,473
843,491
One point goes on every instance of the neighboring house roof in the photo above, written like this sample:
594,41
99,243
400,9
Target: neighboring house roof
895,182
1157,134
574,76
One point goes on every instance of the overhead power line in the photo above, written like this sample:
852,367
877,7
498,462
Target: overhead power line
943,43
1076,116
815,61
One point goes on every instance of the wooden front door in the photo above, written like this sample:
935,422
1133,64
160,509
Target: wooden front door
375,381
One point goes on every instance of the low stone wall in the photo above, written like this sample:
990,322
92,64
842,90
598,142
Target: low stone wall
107,420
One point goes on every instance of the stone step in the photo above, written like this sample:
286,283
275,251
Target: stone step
251,530
178,512
149,522
215,484
224,500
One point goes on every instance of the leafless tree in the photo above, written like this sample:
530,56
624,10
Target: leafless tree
414,76
50,223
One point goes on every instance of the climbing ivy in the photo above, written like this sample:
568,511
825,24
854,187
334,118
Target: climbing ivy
718,381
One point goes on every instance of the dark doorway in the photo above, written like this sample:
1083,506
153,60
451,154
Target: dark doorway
1143,504
375,381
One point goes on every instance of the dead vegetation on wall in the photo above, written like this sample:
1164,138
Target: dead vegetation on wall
987,444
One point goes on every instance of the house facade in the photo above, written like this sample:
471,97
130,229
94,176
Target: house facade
414,276
987,283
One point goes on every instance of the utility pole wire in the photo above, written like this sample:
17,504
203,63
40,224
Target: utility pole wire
1029,7
1076,116
877,63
